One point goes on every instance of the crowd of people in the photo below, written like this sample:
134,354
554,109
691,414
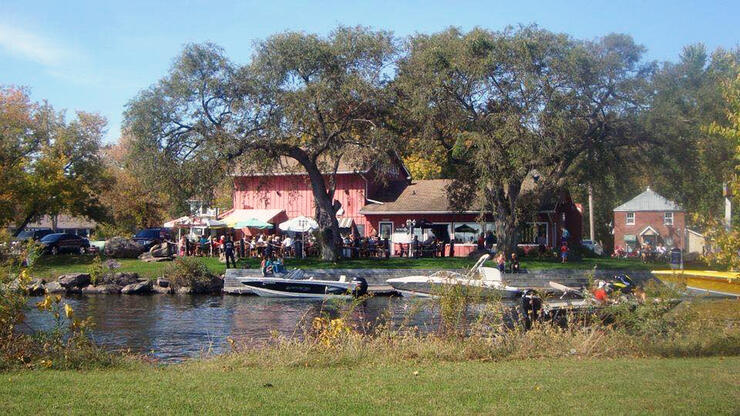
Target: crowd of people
645,252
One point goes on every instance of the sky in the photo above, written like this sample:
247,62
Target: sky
95,56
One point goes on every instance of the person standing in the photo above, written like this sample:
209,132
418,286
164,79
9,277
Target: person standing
564,252
228,248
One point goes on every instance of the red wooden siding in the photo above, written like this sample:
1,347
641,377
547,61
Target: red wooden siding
293,194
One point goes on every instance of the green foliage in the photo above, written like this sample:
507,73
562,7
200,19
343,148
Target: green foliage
96,271
189,272
305,101
105,231
50,165
686,118
506,105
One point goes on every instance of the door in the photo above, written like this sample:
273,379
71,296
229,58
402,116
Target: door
385,229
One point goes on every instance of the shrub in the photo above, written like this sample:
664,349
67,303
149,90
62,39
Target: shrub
189,272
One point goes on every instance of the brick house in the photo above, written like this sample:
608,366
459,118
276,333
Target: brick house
370,206
649,218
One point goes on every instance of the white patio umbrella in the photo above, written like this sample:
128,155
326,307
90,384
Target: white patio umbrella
299,225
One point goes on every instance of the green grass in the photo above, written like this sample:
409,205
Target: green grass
50,266
565,386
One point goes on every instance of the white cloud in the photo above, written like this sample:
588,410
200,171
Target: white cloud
30,46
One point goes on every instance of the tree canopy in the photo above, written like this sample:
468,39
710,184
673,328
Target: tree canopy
50,165
518,104
314,100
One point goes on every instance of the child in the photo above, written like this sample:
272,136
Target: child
501,261
267,267
564,252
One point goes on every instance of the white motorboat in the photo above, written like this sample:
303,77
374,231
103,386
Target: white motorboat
488,279
296,285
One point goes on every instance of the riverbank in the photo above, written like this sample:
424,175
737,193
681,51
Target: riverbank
222,386
52,266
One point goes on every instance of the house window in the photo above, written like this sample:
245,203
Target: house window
630,218
668,218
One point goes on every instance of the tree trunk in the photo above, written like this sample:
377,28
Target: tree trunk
22,225
326,213
505,228
505,215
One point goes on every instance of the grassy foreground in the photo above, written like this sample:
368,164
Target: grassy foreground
50,266
562,386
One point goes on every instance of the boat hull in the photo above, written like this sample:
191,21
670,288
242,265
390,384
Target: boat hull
423,286
725,284
289,288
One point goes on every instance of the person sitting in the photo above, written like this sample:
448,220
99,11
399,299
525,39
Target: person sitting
514,263
501,262
267,267
278,266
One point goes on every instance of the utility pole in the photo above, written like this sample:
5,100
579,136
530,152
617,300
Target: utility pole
727,193
591,213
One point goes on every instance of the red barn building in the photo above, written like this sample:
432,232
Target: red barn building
649,218
372,206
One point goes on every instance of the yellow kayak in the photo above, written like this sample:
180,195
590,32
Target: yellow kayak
708,281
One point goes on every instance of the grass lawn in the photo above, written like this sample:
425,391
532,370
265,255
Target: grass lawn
621,386
49,266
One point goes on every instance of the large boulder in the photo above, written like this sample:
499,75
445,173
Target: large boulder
54,287
162,290
138,288
147,257
101,290
119,279
36,287
120,247
72,280
164,249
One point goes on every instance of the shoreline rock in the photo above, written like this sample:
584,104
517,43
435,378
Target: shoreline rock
101,290
138,288
72,280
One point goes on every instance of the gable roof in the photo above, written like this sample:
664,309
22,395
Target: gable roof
649,201
428,196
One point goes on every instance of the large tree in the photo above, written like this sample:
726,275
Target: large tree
520,106
693,161
317,101
49,165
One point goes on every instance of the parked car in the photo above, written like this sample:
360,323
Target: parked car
34,235
593,247
151,237
64,243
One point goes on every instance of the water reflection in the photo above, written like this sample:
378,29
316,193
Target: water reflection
179,326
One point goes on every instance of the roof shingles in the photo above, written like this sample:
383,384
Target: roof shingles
648,201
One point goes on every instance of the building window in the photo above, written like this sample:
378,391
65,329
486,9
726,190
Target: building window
668,218
630,218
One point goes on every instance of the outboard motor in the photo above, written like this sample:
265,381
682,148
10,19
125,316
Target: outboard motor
531,307
360,286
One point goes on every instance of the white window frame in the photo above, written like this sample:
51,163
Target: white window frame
666,216
627,218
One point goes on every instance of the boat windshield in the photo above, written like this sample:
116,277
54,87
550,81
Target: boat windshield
296,274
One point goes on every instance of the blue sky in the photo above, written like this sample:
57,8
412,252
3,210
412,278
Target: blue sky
96,55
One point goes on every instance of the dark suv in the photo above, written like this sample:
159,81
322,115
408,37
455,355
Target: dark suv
64,242
151,237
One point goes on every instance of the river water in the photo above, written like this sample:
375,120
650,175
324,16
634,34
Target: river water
171,328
